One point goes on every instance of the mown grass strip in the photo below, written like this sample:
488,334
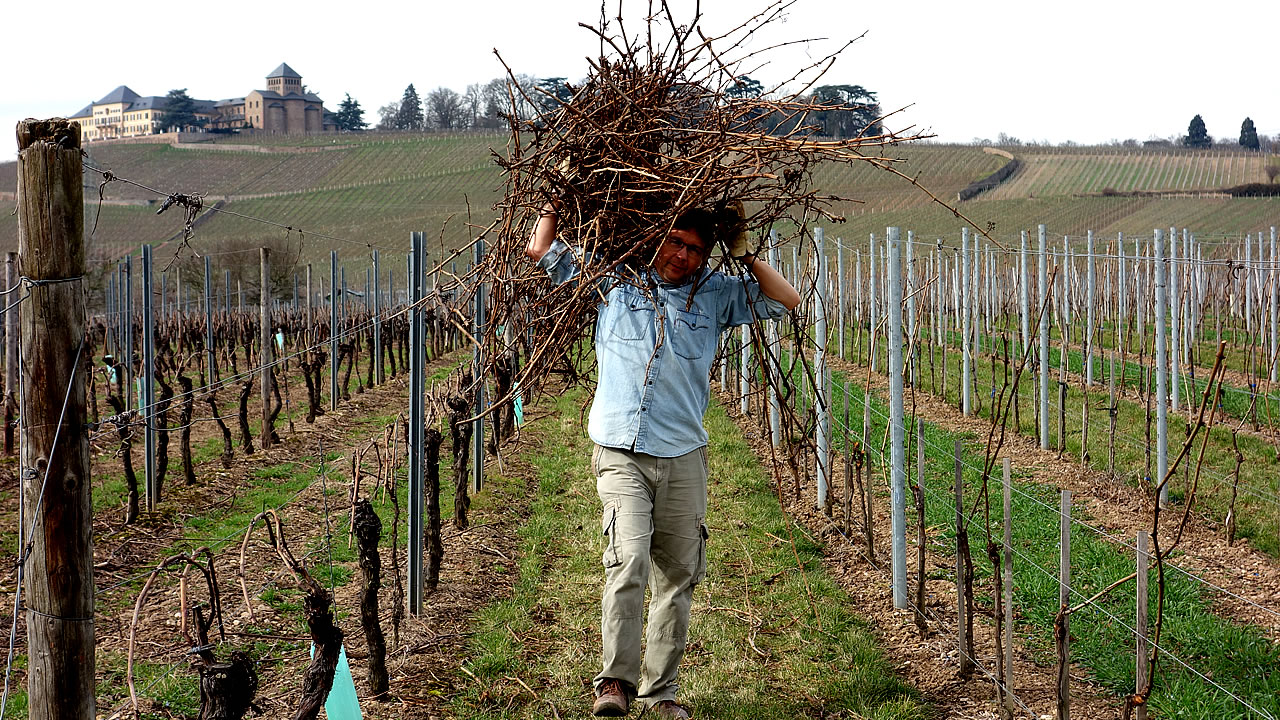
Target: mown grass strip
1239,658
546,635
1257,513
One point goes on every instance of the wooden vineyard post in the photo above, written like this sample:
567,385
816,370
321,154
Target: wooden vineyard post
53,441
265,337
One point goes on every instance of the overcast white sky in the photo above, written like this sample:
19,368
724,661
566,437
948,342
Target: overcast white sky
1088,71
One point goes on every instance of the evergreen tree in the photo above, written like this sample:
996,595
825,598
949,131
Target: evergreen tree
410,117
350,116
744,86
1249,135
1197,134
854,111
552,92
180,111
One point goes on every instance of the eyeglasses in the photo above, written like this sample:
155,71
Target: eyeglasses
692,249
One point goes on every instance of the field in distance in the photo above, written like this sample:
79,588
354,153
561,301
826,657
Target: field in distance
372,189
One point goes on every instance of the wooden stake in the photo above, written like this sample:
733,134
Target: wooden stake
59,567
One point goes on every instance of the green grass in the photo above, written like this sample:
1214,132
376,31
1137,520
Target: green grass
1230,654
1257,516
546,633
171,686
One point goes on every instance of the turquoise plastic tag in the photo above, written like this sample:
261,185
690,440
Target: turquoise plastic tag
137,383
280,339
519,405
342,703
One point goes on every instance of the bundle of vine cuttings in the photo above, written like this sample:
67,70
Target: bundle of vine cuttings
657,127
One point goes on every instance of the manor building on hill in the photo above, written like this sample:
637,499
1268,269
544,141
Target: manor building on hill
285,106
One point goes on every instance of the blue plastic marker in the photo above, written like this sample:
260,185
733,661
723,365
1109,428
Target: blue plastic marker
518,404
342,703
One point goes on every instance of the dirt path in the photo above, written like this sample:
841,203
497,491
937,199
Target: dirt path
477,568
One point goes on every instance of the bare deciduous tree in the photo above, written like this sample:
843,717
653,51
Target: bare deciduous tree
445,109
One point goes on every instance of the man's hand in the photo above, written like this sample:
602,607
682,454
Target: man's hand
736,228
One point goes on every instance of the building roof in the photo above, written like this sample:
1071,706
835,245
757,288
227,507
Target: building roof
273,95
86,111
151,102
284,71
230,101
120,94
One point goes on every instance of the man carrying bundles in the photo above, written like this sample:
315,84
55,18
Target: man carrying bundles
627,183
656,335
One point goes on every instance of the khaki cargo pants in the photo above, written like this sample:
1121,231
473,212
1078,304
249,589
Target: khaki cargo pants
653,523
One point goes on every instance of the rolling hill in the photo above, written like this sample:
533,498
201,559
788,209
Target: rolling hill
350,193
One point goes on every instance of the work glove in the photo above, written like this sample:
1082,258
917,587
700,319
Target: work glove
567,169
735,228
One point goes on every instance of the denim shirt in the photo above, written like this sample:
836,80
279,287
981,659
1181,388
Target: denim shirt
654,351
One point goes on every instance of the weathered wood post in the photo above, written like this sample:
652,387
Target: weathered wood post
53,441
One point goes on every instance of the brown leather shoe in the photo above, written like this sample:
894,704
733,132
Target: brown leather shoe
670,710
611,699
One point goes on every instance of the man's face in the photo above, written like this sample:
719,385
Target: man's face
680,256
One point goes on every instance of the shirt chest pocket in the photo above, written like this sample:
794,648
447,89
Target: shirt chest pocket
630,315
691,334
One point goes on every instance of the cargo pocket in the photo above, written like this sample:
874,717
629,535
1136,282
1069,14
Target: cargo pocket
700,571
609,526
